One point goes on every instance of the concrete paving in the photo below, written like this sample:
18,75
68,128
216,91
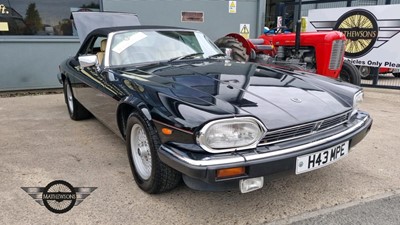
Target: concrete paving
382,211
39,144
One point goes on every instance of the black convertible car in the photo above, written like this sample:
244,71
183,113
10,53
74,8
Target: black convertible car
186,111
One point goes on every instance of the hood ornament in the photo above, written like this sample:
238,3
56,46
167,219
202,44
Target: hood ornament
297,100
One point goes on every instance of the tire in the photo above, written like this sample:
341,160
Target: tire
365,72
150,174
350,73
396,74
75,109
238,51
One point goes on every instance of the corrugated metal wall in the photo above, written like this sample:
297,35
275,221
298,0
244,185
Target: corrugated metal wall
217,20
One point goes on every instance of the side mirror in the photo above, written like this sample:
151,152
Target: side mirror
87,60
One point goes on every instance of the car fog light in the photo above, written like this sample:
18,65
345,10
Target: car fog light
252,184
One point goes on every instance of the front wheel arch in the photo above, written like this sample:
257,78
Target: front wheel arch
64,79
125,109
76,110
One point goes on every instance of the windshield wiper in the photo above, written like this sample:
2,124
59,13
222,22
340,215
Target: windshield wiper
217,55
186,56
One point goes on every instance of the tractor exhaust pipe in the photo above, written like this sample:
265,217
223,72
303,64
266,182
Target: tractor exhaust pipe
298,29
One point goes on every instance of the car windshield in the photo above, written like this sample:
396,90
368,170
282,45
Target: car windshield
144,46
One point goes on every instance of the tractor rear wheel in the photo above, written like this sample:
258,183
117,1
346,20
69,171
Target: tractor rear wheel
238,51
350,73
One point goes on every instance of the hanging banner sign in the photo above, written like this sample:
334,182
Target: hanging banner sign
372,32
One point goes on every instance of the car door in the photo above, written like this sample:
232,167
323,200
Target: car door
96,89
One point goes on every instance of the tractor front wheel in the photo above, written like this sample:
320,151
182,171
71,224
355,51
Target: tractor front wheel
350,73
238,51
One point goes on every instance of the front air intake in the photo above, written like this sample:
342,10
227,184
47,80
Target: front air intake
336,54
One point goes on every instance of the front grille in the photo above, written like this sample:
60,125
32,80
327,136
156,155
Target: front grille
290,133
334,121
336,54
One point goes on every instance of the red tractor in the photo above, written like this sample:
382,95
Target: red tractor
318,52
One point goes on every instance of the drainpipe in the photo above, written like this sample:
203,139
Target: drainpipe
260,20
298,27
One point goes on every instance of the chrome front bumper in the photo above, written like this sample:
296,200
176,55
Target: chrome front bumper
239,157
200,170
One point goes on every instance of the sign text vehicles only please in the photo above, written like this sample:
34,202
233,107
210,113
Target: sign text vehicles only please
374,63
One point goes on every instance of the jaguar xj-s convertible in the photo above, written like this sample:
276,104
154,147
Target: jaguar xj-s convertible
187,112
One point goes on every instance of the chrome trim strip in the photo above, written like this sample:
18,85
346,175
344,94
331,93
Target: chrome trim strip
206,162
244,158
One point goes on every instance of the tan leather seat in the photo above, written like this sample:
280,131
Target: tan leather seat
100,55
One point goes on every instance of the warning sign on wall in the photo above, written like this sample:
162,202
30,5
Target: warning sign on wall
232,6
245,30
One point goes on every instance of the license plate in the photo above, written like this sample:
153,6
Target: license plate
322,158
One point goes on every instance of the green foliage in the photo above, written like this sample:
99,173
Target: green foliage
33,19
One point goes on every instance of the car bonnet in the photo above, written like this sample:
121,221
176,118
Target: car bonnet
279,99
86,22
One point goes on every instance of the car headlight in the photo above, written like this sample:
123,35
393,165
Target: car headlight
231,134
357,100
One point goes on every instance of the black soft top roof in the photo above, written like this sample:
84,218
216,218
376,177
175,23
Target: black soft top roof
105,31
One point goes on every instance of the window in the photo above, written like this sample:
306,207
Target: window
94,46
41,17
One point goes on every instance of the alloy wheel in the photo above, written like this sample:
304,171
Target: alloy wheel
140,150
